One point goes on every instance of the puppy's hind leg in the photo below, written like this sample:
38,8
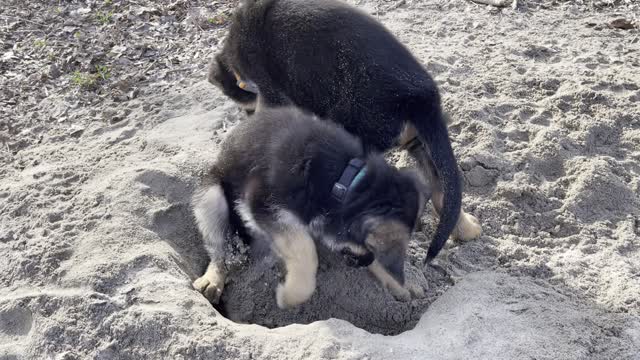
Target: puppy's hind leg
468,227
212,216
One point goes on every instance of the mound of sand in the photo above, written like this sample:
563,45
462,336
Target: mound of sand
99,247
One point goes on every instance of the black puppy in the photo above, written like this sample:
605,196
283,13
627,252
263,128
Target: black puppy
340,64
291,178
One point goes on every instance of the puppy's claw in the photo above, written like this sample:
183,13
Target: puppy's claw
468,228
208,288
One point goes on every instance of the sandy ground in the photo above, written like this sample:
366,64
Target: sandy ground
98,247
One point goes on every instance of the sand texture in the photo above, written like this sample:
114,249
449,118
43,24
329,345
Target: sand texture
107,124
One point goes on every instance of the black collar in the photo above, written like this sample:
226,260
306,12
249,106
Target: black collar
351,174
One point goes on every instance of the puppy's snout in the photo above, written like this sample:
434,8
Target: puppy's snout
393,263
389,241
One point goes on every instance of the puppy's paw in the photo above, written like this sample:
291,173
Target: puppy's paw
209,288
416,291
468,227
400,293
290,296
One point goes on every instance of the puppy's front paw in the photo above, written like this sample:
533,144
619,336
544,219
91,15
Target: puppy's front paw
416,291
209,288
468,228
400,293
290,296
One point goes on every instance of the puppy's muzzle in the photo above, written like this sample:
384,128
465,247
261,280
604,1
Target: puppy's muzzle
394,265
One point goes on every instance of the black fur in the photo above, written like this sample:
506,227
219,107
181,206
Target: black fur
341,64
284,159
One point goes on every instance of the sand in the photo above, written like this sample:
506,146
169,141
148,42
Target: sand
98,247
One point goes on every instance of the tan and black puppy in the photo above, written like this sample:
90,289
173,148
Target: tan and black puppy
291,178
335,61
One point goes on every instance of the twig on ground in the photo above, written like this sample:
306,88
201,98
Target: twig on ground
395,6
149,66
169,71
8,17
496,3
381,11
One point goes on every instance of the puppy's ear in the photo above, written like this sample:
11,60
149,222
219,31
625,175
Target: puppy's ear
359,229
424,192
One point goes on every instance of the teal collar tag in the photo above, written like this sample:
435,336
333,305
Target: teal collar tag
358,177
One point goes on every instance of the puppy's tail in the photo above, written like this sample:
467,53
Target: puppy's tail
432,129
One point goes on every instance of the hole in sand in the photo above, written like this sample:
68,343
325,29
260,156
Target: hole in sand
15,321
342,292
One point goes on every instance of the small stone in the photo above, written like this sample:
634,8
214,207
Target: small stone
53,72
76,131
622,23
468,163
6,235
55,217
133,93
120,98
112,117
7,56
479,176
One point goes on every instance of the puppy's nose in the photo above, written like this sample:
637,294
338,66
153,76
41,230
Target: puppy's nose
394,265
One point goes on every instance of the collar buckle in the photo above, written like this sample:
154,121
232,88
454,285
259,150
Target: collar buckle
352,173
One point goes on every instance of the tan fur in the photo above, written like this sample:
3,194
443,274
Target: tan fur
388,234
397,290
296,248
236,75
212,212
389,237
356,249
468,226
407,135
211,283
